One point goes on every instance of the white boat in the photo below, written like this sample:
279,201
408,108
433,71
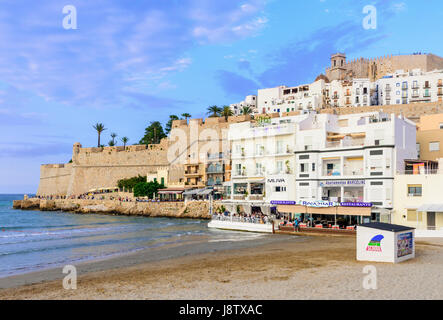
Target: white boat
240,226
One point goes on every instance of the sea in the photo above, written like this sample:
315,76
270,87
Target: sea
37,240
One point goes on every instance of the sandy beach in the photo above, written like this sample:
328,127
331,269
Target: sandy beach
290,268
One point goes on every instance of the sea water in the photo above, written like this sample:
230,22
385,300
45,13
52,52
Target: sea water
36,240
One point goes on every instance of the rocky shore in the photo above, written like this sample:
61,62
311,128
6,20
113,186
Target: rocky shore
192,209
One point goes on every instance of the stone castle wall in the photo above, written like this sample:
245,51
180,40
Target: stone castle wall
93,168
54,179
376,68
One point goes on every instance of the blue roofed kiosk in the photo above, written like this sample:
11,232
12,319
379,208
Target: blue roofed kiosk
385,242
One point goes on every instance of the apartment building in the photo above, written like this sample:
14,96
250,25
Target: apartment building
416,196
250,101
415,86
430,137
352,159
262,161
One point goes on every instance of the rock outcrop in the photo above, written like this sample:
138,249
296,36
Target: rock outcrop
193,209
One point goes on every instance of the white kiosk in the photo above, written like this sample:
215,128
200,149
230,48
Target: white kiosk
384,242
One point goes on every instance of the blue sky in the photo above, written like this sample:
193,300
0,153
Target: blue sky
132,62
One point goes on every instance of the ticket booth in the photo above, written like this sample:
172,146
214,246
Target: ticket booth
384,242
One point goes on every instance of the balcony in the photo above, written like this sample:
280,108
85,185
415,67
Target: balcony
427,86
215,169
388,89
440,93
440,84
256,197
239,196
353,172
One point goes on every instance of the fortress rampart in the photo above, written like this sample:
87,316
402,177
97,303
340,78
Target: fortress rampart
93,168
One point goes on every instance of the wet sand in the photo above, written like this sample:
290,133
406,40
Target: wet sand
285,267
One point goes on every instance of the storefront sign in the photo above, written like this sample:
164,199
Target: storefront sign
276,180
288,203
318,204
356,204
347,183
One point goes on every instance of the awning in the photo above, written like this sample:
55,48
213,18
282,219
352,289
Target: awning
191,192
431,207
170,191
205,192
346,211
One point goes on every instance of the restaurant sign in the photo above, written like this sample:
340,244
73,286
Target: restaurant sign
321,203
355,204
318,204
333,183
281,202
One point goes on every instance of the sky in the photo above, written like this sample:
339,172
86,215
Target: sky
128,63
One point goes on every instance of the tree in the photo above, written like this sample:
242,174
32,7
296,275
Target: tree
113,136
147,189
186,116
226,112
111,143
153,134
99,127
214,111
125,141
168,125
246,110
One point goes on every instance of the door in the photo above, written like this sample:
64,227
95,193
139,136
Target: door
431,220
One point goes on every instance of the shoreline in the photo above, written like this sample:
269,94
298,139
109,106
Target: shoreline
191,247
293,268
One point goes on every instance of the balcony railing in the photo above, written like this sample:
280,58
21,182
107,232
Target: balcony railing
353,199
418,172
353,172
239,196
256,197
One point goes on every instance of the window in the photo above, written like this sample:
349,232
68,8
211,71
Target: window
434,146
313,167
414,190
279,166
376,152
414,216
441,125
303,167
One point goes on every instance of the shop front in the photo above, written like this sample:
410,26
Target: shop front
323,214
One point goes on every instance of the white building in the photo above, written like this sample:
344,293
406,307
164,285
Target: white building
410,87
250,101
352,158
262,161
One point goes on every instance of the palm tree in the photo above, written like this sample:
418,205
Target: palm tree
125,141
186,116
246,110
99,127
111,143
226,112
214,111
113,135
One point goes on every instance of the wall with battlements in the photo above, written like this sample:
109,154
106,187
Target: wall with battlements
93,168
376,68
